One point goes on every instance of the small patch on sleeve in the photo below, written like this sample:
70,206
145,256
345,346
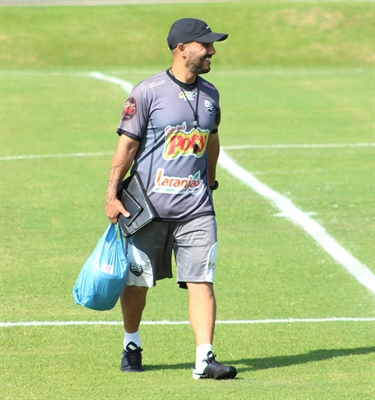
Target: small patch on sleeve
130,109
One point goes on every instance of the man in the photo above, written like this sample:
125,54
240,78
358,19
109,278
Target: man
169,136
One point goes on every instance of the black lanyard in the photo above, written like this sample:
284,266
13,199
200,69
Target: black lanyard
193,85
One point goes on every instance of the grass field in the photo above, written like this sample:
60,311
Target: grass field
298,114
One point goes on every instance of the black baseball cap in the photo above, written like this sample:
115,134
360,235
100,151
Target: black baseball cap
187,30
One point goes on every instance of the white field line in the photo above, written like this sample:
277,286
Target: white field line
67,155
302,219
234,147
297,146
287,208
127,86
166,322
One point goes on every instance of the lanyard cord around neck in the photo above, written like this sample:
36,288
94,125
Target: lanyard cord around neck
195,112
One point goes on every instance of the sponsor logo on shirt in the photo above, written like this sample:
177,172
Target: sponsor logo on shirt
153,84
187,95
130,109
208,85
179,142
175,185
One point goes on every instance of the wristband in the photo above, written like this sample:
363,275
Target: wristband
215,186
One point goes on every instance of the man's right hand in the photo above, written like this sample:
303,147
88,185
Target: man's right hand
113,209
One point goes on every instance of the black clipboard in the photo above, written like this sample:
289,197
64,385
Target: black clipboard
130,205
134,198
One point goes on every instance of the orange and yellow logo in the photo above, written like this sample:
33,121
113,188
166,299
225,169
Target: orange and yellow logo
178,142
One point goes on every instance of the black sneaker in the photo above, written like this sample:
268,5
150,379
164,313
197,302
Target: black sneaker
131,359
215,370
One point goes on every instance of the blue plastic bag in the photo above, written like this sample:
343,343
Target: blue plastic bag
103,276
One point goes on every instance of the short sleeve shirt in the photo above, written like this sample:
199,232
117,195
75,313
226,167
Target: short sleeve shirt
172,123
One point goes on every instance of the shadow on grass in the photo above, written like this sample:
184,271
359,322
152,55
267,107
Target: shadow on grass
254,364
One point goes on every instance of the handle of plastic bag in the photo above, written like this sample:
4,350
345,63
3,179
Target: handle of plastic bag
119,235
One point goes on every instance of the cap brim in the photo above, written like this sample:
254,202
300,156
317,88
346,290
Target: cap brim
211,37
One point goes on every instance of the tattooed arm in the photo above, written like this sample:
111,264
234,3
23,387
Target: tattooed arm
121,163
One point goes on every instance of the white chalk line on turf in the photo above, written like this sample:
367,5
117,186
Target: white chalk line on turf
287,208
127,86
166,322
297,146
302,219
234,147
38,156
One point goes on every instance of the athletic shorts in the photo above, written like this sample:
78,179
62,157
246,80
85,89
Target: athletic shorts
193,243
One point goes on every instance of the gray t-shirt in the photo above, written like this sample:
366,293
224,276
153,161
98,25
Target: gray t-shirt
172,122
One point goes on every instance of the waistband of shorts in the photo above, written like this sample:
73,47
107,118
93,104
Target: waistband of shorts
186,219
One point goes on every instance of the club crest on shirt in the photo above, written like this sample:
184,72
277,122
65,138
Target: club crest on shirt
208,107
130,109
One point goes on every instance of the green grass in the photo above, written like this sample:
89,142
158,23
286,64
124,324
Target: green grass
290,105
302,77
317,363
260,34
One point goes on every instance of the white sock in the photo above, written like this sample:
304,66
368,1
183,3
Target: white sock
201,354
132,337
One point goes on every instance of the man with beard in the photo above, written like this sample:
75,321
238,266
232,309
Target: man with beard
169,137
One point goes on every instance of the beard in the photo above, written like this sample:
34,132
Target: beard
197,65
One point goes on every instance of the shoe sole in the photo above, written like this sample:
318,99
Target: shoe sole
226,375
131,370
